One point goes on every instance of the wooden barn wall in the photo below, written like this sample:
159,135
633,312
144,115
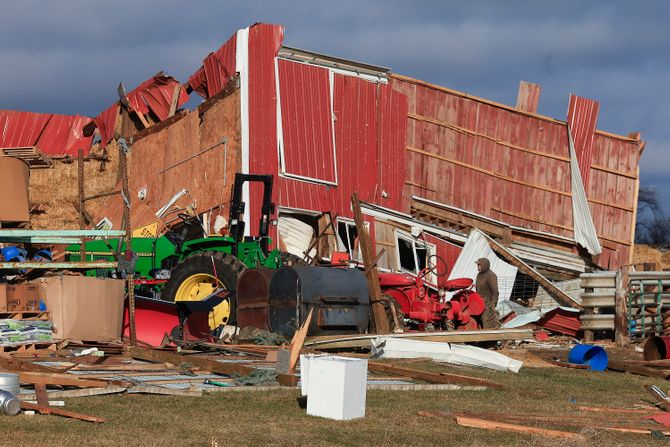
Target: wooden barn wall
201,174
514,166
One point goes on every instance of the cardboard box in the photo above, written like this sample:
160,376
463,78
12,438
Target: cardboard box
22,297
84,308
14,174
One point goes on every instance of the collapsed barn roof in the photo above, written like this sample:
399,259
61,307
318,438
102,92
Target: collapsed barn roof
327,126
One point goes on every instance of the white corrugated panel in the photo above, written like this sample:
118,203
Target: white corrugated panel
582,222
477,247
296,235
457,354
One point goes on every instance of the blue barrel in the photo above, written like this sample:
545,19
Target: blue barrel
593,356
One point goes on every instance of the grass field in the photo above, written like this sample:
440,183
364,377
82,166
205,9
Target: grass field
273,418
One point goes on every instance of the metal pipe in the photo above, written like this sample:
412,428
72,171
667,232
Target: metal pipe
9,234
59,265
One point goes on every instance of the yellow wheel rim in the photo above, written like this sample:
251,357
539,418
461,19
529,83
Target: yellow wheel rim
198,287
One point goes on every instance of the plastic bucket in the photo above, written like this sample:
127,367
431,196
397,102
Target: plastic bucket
593,356
657,348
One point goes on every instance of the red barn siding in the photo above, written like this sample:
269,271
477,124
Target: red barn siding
513,166
307,121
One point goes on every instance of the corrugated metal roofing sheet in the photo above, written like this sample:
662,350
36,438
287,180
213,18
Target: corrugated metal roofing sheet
154,94
53,134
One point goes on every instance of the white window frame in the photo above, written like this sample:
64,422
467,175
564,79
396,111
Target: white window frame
280,130
340,244
431,249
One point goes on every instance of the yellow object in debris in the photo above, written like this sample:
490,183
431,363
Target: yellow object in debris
150,230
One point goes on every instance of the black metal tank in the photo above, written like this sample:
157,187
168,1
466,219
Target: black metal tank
339,296
253,291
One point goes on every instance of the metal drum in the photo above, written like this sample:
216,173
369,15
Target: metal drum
9,404
339,297
253,291
10,382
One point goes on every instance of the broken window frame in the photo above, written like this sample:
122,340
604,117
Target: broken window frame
349,223
431,249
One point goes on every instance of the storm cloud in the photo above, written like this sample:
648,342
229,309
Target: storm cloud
68,56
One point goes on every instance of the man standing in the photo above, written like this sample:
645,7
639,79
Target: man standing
487,286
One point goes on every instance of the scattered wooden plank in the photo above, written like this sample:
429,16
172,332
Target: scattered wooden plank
9,363
287,379
175,99
634,411
566,364
637,369
298,341
414,360
173,357
84,392
58,412
381,322
40,378
41,394
493,425
152,389
560,296
165,367
426,376
363,341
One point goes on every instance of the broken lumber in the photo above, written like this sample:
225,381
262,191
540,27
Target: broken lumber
41,394
637,369
173,357
65,413
298,341
40,378
632,411
363,341
380,319
9,363
152,389
426,376
560,296
467,421
83,392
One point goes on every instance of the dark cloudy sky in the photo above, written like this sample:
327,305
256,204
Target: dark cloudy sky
67,56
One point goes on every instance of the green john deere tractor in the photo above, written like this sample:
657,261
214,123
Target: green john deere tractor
174,267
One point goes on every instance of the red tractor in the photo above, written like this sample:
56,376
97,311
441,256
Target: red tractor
425,309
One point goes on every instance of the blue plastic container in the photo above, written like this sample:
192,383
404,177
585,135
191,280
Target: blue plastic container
593,356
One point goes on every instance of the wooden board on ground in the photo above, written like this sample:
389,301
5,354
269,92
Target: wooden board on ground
467,421
83,392
298,341
173,357
41,378
152,389
65,413
430,376
363,341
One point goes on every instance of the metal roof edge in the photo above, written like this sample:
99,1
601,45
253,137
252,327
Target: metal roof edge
332,61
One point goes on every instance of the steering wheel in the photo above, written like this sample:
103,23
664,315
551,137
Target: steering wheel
436,265
185,217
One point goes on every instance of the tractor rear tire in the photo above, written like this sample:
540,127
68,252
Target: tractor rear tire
220,267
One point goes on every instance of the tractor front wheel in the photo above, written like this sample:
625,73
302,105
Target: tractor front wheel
200,275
